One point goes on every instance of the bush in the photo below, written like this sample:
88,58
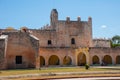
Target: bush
87,66
115,45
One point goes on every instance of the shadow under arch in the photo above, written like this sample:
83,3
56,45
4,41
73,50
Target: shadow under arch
42,61
118,59
54,60
81,59
95,60
107,60
67,60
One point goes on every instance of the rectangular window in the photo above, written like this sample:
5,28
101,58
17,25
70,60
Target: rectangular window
49,42
72,41
18,59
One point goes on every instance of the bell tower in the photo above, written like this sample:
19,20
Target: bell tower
54,18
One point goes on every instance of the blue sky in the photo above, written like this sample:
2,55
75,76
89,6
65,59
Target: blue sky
36,13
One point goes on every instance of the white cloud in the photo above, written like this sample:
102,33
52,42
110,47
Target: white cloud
103,26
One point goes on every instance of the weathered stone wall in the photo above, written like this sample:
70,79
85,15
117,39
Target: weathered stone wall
103,51
63,31
3,48
44,36
101,43
19,44
46,53
2,54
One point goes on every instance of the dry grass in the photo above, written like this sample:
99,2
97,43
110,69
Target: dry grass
68,76
53,70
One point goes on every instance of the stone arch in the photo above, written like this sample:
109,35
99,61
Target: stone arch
54,60
107,60
81,59
24,29
67,60
42,61
118,59
95,60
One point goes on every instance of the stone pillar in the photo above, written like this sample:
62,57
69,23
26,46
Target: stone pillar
100,59
76,58
73,60
87,58
38,62
46,61
61,61
90,58
113,60
76,62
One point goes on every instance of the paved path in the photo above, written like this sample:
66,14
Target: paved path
57,74
95,78
62,73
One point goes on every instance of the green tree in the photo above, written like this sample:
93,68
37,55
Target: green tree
115,41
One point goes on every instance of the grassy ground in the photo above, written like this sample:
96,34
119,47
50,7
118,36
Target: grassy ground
53,70
61,70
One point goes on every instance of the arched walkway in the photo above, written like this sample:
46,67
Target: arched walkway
67,60
95,60
42,61
118,59
54,60
107,60
81,59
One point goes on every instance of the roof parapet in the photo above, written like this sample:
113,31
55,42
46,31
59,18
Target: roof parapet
89,19
68,19
78,18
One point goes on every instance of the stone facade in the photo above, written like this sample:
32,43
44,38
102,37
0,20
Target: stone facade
62,43
3,48
105,55
61,32
101,43
21,51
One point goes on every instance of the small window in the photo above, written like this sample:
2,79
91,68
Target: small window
18,59
49,42
72,41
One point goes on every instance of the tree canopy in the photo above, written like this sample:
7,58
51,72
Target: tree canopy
115,41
